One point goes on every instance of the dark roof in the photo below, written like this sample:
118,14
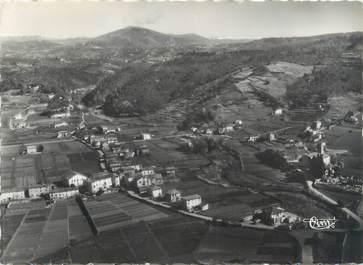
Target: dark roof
154,188
192,197
100,175
173,191
63,189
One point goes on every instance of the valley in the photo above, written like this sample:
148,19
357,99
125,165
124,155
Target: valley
142,146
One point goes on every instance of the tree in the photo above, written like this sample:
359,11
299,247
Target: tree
317,167
40,148
272,158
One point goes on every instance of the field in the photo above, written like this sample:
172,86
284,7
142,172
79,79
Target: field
46,167
166,153
243,245
66,147
20,172
43,231
172,239
118,210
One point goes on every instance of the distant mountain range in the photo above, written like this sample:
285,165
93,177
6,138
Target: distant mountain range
124,41
141,70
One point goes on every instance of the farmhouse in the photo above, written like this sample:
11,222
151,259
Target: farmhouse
62,134
252,138
63,193
31,149
11,195
316,125
170,171
99,181
147,171
141,183
192,201
228,128
37,191
271,137
146,136
74,179
277,112
173,195
128,165
155,192
280,216
238,122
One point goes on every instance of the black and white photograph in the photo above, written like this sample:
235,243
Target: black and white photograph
189,132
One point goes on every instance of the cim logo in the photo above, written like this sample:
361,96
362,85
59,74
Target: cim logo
321,224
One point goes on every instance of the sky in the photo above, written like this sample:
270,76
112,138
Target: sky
68,19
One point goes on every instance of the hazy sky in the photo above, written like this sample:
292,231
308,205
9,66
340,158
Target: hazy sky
62,19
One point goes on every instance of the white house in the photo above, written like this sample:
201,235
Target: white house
31,149
280,216
38,190
317,125
147,171
209,131
75,179
192,201
11,195
173,195
63,193
170,171
228,128
146,136
63,134
277,112
155,192
99,181
238,122
141,183
252,138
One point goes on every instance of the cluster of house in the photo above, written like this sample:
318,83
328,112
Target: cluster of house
70,189
273,215
219,129
67,188
146,181
352,184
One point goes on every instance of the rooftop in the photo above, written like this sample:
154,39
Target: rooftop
155,188
192,197
65,189
173,191
100,175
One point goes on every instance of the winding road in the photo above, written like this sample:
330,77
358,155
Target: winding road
329,200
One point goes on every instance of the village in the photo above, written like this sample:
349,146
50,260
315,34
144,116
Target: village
163,186
121,168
